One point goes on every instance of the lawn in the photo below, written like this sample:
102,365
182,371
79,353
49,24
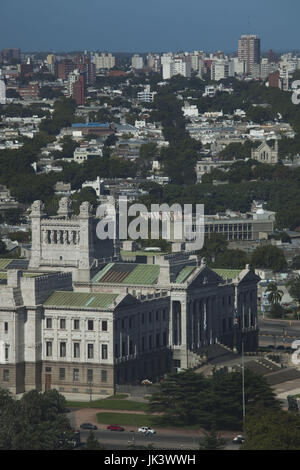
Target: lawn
110,403
125,419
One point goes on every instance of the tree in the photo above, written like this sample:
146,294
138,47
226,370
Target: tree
86,194
34,422
275,294
277,311
269,257
92,443
293,286
49,93
232,259
3,249
213,403
272,430
214,247
296,262
212,441
68,147
178,397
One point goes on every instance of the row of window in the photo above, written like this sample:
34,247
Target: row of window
76,324
228,228
76,375
76,350
147,343
148,317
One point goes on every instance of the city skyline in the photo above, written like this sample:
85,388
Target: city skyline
140,27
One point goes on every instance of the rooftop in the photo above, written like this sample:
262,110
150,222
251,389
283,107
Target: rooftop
80,299
228,273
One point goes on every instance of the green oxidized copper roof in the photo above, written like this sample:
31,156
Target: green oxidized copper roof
4,263
80,299
122,273
184,274
228,273
143,274
101,273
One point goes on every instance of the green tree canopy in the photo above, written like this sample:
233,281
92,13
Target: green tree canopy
34,422
272,430
269,257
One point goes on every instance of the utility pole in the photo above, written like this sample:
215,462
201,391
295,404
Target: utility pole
243,370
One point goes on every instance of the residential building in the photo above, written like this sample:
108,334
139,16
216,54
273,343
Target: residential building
221,69
137,62
146,95
82,154
99,129
249,51
104,61
177,66
2,90
78,90
29,92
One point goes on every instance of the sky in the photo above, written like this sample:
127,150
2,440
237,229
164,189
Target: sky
147,25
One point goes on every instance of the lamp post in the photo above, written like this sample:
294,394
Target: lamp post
243,371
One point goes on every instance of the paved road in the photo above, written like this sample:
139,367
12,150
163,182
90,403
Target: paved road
283,329
113,440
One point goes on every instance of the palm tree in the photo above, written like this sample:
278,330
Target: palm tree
275,294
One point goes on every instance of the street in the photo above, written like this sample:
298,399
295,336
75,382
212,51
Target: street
113,440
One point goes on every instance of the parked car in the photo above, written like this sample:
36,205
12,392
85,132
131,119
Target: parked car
115,427
146,430
239,439
88,426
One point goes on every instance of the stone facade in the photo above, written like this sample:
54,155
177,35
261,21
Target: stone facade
67,242
266,154
128,322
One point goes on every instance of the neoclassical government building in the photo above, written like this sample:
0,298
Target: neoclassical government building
77,318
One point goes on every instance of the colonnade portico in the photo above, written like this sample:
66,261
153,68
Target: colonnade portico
60,236
191,326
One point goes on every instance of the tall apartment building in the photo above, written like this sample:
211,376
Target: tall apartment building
104,61
76,86
2,90
87,68
64,68
221,69
274,79
177,66
137,62
249,51
154,63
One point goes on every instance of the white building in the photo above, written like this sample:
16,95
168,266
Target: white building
221,69
137,62
239,66
81,154
147,95
117,322
104,61
72,78
190,110
2,90
178,66
97,185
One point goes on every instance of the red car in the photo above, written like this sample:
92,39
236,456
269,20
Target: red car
115,427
